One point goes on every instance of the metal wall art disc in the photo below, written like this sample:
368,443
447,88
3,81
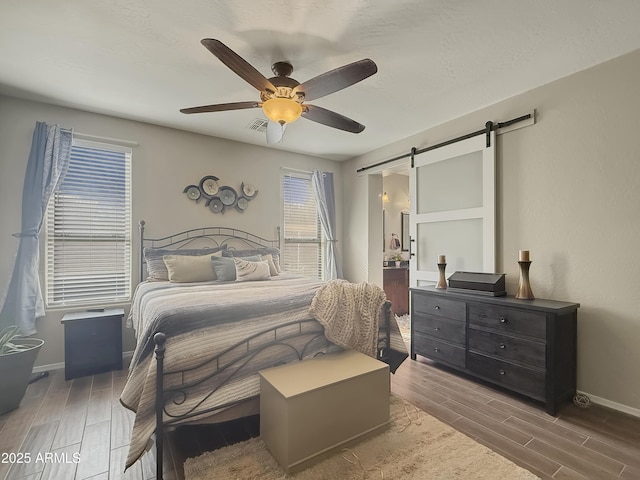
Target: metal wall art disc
209,185
228,196
242,204
193,192
215,205
248,190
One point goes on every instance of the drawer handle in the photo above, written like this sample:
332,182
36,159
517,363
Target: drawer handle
502,372
436,349
437,307
502,346
503,319
437,328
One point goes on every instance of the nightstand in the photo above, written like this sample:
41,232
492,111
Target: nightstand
92,342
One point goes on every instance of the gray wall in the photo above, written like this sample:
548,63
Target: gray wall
568,189
165,161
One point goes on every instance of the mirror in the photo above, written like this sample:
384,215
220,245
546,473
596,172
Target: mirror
404,226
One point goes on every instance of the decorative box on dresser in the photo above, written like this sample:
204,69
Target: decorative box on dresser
526,346
395,283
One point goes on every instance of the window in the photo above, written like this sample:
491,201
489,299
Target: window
302,232
89,228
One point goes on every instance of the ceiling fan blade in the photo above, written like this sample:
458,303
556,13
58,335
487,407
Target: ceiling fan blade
337,79
221,107
331,119
238,64
275,132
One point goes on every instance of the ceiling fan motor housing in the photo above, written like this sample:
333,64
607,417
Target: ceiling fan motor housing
283,83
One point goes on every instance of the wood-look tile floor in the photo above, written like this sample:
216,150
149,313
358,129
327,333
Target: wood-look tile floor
84,417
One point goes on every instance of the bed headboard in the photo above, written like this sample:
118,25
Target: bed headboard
204,237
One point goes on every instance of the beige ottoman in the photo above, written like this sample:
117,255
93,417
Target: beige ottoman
312,407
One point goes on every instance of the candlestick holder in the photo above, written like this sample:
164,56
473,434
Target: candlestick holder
442,281
524,287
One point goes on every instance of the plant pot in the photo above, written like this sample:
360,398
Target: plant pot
15,373
397,263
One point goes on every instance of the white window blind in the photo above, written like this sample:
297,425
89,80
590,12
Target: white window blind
302,231
89,228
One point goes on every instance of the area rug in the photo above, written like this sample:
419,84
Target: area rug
415,446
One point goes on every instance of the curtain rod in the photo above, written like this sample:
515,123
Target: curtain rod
489,127
95,138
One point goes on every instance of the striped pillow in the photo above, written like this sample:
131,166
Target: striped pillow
251,271
273,251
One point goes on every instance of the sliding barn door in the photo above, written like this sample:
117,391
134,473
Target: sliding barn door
452,191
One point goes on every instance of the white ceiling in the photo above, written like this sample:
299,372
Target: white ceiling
437,59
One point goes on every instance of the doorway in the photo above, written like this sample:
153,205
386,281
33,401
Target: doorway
395,266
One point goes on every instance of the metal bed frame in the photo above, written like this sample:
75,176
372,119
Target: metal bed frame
204,237
309,329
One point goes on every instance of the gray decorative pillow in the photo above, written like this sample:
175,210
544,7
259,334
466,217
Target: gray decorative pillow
225,267
251,271
156,268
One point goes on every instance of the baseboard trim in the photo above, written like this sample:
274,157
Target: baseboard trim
613,405
126,358
51,366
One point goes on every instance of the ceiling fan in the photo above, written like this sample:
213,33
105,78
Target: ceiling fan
282,98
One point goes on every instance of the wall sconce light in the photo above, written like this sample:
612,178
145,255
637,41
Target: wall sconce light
385,198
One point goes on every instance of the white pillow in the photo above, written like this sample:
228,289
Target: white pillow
186,268
273,270
250,271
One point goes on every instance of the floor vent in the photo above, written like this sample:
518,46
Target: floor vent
258,124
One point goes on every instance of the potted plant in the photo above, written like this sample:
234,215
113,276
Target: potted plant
397,258
17,357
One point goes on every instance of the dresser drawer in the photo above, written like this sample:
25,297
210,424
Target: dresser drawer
525,380
451,331
438,306
437,350
508,320
527,352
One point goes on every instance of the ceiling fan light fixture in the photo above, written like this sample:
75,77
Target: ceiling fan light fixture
282,110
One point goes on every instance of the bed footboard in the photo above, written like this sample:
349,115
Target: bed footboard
159,339
383,354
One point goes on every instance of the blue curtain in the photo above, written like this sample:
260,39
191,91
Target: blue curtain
48,160
323,189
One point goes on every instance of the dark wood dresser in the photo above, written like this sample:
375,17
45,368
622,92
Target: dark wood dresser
92,342
526,346
395,283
